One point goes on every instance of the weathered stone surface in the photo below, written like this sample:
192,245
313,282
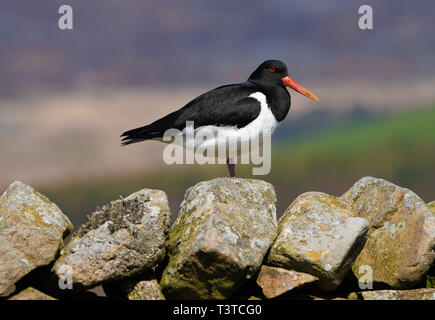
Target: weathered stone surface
146,290
32,229
431,206
318,235
31,294
220,237
401,238
416,294
276,281
121,239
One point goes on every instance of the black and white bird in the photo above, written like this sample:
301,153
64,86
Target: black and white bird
239,110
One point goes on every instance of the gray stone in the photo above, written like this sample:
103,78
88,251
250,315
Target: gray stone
318,235
416,294
146,290
121,239
220,237
32,229
401,238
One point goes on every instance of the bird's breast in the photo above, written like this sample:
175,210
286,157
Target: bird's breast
265,120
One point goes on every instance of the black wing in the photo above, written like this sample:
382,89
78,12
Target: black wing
224,106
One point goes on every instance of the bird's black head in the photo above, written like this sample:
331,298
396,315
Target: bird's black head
274,73
270,72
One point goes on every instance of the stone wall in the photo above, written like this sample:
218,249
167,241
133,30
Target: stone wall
376,241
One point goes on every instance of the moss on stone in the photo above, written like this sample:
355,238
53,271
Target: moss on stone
353,296
398,222
212,250
119,212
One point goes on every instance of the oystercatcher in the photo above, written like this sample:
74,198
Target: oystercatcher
260,103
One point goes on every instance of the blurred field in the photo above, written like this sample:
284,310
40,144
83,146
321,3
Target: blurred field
397,147
48,138
66,96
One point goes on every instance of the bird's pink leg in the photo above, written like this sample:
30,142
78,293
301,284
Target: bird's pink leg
231,168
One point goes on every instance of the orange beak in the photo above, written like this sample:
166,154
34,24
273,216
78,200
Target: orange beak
287,81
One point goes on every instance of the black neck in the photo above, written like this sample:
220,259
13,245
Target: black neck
278,99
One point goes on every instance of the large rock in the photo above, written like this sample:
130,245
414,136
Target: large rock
277,281
416,294
121,239
32,229
401,239
318,235
220,237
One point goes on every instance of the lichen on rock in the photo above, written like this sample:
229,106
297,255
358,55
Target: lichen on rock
318,235
415,294
146,290
32,229
225,243
123,238
220,237
277,281
401,238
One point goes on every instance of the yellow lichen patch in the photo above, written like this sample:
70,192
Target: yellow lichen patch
431,206
324,227
315,255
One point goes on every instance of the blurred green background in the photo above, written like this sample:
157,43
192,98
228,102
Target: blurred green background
66,96
399,148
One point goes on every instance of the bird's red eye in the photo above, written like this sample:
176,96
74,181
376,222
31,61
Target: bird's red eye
272,69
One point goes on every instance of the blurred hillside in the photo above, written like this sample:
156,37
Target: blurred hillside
191,42
65,96
48,138
398,148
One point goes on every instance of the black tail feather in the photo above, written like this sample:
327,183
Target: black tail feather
132,140
139,134
154,130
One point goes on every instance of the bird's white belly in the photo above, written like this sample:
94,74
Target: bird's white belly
208,137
